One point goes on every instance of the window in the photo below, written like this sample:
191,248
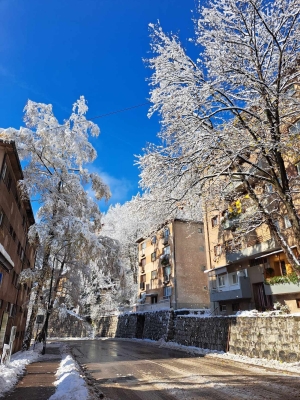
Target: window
4,170
218,250
1,217
269,188
200,230
287,222
223,307
1,278
143,247
298,168
143,282
167,250
298,303
234,278
143,263
153,299
12,310
276,223
154,274
153,256
167,291
153,239
295,128
283,268
166,233
235,307
1,303
167,273
215,221
221,280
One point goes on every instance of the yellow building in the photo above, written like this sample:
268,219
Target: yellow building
171,267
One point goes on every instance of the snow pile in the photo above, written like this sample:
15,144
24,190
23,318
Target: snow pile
9,374
255,313
69,382
262,362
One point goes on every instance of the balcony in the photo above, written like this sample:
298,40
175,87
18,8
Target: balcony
241,291
282,288
259,247
230,223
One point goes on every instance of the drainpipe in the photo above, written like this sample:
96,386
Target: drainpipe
174,261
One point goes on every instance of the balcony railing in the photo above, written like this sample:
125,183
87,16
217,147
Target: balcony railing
282,288
257,247
243,291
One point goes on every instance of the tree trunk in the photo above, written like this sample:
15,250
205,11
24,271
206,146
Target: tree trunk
39,287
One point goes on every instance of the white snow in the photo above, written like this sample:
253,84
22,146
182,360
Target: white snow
69,382
10,374
273,313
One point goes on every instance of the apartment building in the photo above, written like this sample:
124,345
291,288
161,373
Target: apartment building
250,272
16,254
171,267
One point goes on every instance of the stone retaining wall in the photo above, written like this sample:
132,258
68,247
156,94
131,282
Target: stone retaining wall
207,333
269,337
68,327
274,338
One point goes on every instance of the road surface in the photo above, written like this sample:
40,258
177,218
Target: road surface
131,370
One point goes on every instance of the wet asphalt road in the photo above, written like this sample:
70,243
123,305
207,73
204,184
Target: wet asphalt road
128,370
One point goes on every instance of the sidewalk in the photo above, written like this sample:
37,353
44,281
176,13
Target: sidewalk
37,383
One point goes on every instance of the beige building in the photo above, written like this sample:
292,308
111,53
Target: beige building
171,267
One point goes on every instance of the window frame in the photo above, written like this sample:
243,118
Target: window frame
287,222
222,277
215,221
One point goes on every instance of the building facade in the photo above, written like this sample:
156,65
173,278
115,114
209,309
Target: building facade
16,253
251,272
171,267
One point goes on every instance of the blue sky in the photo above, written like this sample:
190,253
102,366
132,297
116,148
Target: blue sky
54,51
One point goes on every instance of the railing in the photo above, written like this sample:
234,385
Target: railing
163,304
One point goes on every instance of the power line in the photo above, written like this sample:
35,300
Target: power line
118,111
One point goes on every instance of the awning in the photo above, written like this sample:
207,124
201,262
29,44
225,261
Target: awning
273,252
217,270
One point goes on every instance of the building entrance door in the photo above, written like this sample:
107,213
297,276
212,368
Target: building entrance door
262,302
140,326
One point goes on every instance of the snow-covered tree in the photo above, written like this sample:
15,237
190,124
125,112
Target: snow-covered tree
229,118
68,220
